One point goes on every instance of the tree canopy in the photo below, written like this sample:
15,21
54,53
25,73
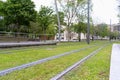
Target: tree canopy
45,18
18,12
102,30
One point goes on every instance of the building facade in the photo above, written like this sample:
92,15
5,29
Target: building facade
73,35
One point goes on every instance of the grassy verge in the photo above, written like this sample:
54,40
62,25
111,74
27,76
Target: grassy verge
49,69
96,68
33,54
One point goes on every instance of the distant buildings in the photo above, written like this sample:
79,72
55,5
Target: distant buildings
64,35
74,35
115,27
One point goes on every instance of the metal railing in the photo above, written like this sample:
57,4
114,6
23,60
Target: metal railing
18,36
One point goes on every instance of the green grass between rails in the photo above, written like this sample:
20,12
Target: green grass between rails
49,69
21,57
96,68
32,54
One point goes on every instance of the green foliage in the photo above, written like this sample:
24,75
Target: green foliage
2,27
51,29
73,10
114,35
19,12
44,18
35,28
102,30
61,15
1,8
80,27
92,30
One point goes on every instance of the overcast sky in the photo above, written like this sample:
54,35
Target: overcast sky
103,10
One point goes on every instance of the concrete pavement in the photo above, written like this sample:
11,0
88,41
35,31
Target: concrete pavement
115,63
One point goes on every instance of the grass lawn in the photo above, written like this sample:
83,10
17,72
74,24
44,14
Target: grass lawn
30,54
96,68
49,69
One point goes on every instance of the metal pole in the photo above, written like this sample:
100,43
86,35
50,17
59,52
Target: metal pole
110,30
88,24
119,13
59,27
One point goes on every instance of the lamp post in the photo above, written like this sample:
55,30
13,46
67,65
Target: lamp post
110,31
88,24
119,13
119,19
58,18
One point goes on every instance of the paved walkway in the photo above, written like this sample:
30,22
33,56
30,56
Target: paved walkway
115,63
20,44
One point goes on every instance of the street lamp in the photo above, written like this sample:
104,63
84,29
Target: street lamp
88,23
58,18
110,31
119,13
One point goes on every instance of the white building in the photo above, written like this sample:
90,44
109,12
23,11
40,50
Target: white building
64,35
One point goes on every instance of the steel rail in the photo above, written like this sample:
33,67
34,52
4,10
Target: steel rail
8,50
22,49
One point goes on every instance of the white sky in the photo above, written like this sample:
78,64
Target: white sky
103,10
38,3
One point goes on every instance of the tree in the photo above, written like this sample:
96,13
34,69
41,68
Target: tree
44,18
92,31
19,12
80,28
114,35
1,8
69,9
35,28
61,15
102,30
73,10
2,27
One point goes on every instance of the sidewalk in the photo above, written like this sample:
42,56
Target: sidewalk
115,63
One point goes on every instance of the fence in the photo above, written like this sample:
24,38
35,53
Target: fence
15,36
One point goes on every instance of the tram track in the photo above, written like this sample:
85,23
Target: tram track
6,71
61,74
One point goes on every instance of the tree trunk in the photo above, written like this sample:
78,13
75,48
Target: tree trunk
79,37
44,32
69,34
92,38
18,31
